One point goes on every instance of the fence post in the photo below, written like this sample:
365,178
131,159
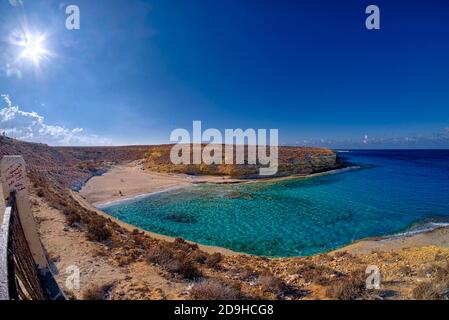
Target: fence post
14,178
2,204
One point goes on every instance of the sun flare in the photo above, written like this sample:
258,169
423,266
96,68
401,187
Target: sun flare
33,48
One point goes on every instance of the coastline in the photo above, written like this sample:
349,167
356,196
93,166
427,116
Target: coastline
136,197
129,181
436,237
99,190
99,193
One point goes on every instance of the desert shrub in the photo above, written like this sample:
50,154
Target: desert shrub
172,261
270,283
437,288
69,295
406,271
186,269
72,217
124,260
348,288
96,292
139,240
442,274
426,291
248,274
199,256
342,254
100,252
160,255
215,290
97,230
311,272
213,260
181,244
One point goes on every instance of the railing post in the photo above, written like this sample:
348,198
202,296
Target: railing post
4,263
2,204
14,179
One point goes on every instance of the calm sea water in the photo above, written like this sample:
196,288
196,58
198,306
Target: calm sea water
392,192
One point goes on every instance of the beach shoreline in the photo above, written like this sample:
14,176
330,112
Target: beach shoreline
134,183
128,181
100,190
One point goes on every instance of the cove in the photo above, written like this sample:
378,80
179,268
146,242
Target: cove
394,191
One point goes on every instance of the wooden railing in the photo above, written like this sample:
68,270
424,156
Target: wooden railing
22,276
24,270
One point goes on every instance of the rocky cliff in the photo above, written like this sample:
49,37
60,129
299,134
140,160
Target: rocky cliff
71,166
292,160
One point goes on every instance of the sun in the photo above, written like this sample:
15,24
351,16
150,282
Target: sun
33,48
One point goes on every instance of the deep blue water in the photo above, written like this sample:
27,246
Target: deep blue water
390,193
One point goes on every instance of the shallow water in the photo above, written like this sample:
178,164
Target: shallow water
391,192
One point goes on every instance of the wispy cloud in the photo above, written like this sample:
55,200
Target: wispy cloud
15,3
30,126
9,71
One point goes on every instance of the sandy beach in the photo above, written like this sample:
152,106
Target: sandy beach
438,237
130,180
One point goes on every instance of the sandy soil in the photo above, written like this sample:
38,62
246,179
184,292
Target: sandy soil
438,237
69,247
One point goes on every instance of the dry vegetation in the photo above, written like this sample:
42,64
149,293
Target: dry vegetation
95,292
413,273
435,288
216,290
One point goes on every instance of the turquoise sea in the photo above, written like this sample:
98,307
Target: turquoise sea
391,192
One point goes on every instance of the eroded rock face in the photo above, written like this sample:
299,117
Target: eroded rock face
311,163
292,160
72,166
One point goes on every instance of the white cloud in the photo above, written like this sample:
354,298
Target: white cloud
365,139
30,126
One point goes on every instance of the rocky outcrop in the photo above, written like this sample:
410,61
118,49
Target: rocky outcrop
72,166
292,160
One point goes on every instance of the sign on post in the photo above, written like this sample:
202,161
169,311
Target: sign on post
14,179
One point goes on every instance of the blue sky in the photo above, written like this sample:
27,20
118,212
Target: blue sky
138,69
